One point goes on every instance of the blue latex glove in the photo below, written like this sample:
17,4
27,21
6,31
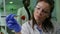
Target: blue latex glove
12,23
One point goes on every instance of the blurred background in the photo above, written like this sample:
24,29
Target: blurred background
23,15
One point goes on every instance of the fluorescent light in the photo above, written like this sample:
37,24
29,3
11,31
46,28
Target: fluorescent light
11,2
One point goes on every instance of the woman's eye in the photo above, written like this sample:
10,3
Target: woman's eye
44,11
38,8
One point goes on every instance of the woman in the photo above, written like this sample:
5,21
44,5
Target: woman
40,22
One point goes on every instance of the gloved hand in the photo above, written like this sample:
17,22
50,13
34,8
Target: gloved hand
12,23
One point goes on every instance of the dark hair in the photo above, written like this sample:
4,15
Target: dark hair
47,24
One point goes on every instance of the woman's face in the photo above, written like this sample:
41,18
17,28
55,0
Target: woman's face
41,11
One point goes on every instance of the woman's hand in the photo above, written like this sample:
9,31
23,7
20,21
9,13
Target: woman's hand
12,23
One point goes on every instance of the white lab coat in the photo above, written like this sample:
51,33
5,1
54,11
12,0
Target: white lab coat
27,29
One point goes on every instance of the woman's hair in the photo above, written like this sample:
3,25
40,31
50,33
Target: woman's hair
47,24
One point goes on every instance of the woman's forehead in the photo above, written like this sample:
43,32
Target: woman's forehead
43,5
